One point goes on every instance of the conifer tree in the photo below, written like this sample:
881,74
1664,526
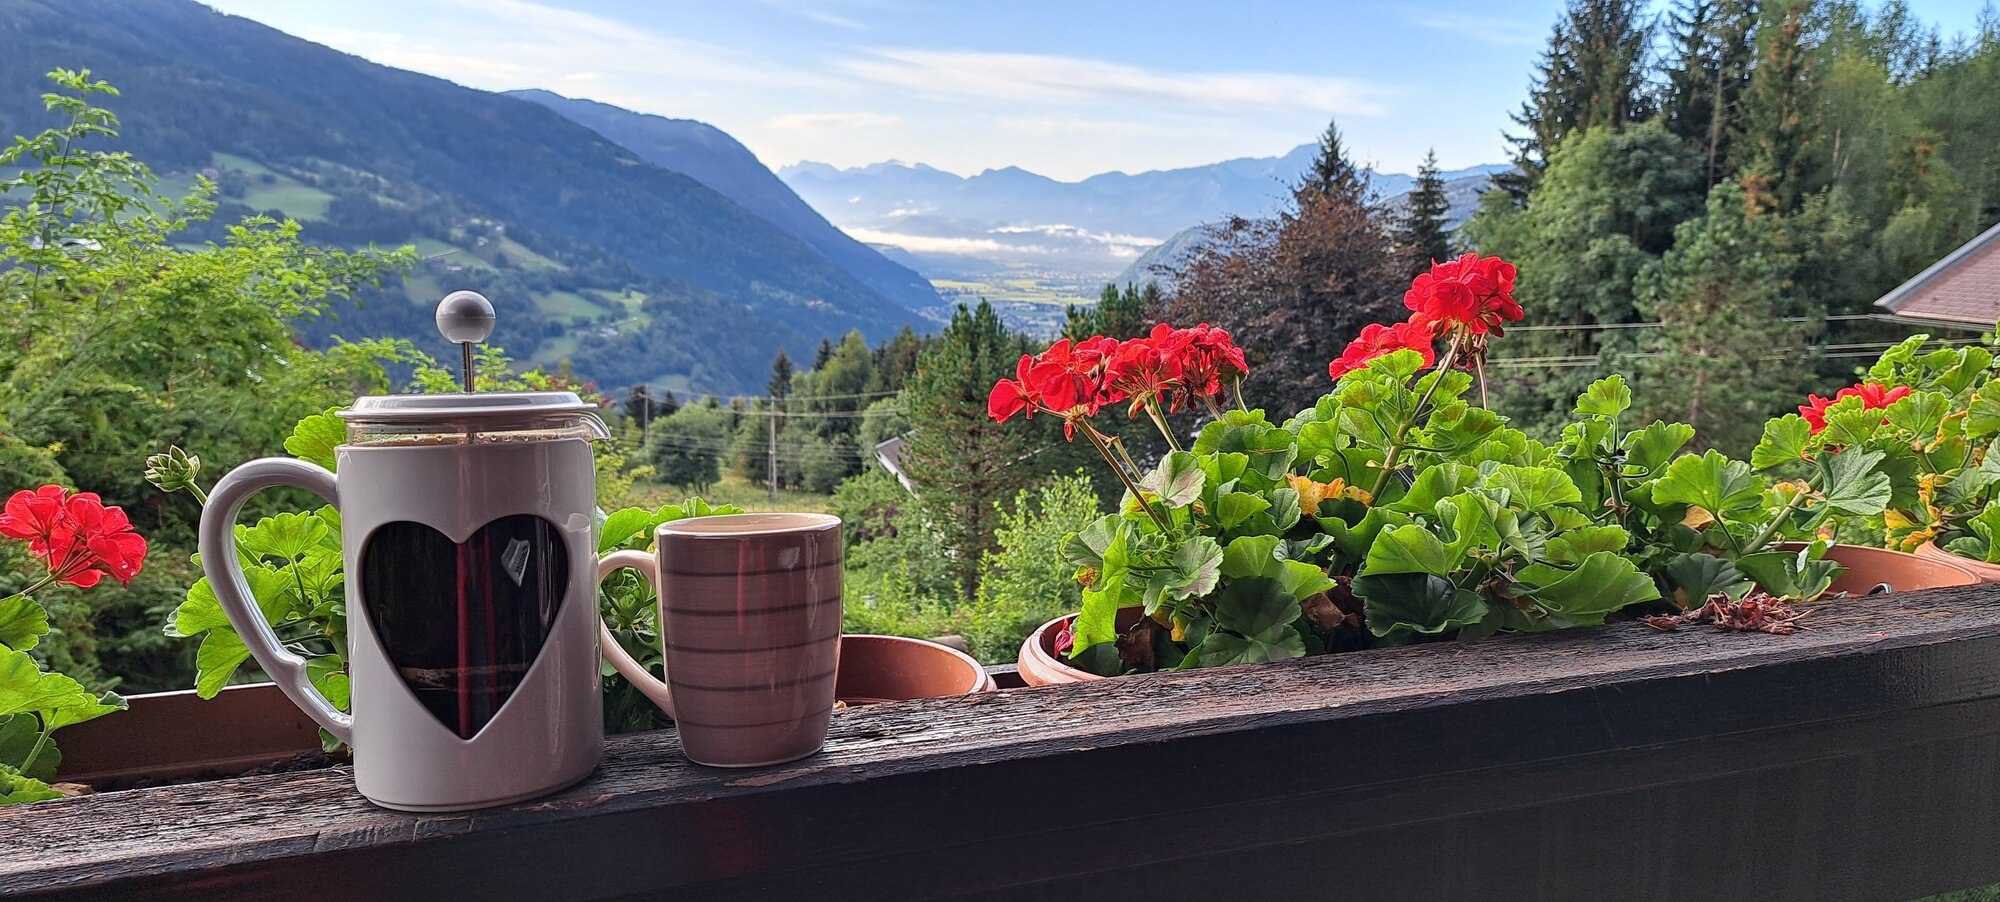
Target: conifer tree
960,461
1713,57
1332,174
1778,130
1592,74
780,383
1423,226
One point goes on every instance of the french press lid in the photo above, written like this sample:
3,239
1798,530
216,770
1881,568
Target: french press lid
465,318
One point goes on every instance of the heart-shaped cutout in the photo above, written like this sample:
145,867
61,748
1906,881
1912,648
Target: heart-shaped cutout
462,622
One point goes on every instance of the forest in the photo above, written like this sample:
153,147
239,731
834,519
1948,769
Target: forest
1708,201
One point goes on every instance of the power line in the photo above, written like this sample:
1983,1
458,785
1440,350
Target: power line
1593,327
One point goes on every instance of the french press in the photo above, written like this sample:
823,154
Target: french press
467,532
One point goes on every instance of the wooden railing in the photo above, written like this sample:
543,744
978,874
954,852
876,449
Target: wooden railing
1858,759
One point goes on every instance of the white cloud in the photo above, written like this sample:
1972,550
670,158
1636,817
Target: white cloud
1040,78
1487,29
1059,230
807,121
932,244
1078,126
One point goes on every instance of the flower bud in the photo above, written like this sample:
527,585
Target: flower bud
173,471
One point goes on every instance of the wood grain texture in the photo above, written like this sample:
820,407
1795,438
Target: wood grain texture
1857,759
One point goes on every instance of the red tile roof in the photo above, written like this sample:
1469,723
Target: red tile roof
1962,289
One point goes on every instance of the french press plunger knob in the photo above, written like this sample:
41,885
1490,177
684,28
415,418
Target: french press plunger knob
465,318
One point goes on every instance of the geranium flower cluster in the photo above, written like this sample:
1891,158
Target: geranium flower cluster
1076,379
1467,301
78,538
1873,397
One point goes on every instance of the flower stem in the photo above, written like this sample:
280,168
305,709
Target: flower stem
1236,389
1757,544
1479,368
41,741
1104,450
1396,444
1160,423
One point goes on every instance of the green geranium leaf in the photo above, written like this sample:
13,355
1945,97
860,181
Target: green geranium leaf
1196,566
286,536
1224,649
1852,483
1258,608
17,788
1711,482
1698,577
1534,488
1607,397
1223,468
1920,414
1232,509
1790,574
1085,550
1409,549
625,525
78,710
1572,546
221,652
1982,417
202,611
18,735
1457,427
315,437
328,676
1648,450
23,623
1469,519
1251,556
1416,603
1605,582
1785,440
1434,484
1353,542
1177,481
1850,422
1269,450
25,689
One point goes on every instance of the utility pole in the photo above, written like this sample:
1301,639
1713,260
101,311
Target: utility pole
772,449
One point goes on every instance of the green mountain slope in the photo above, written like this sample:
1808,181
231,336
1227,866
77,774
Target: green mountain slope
623,259
710,156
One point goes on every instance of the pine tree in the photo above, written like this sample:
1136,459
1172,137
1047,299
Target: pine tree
824,354
960,461
1592,74
1332,174
780,383
1778,130
1714,54
1424,212
1118,314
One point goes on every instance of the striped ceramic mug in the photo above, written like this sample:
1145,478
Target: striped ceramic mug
750,628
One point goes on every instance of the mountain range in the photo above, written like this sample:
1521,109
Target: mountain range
593,251
957,226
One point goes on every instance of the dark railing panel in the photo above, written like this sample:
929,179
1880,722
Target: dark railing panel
1857,759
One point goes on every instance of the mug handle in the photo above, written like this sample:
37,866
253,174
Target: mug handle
217,542
626,665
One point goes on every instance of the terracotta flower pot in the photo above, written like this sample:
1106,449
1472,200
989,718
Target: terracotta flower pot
1987,573
1041,666
1901,571
891,668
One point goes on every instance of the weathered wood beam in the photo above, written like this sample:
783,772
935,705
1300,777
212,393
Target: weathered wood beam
1859,758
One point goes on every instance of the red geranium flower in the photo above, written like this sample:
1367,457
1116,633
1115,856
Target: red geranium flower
1145,369
1067,380
1012,396
1473,293
77,537
1065,639
1377,340
1208,357
1873,395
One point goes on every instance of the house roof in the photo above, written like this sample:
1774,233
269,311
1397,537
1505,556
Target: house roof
1961,290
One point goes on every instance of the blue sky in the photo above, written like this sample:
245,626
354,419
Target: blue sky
1067,89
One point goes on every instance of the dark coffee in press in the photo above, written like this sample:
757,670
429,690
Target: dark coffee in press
462,623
